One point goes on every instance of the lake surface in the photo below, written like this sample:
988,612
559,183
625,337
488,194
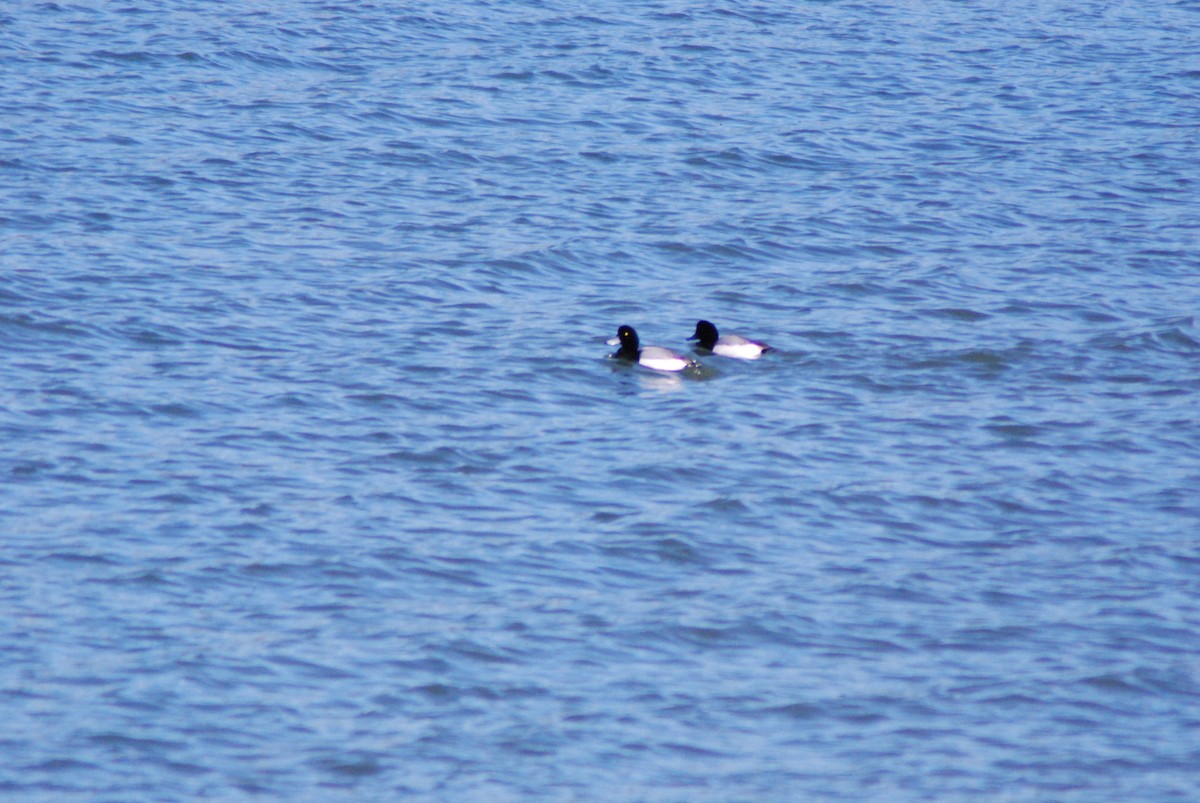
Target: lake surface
318,482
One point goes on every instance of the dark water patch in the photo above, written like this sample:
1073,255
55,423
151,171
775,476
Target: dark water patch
351,766
132,744
966,315
26,328
79,558
60,765
307,669
1015,431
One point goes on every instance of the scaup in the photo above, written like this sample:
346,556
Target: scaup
735,346
655,357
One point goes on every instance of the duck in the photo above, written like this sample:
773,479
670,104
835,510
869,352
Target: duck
735,346
655,357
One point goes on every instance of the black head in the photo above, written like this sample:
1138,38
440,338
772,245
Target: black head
706,333
630,347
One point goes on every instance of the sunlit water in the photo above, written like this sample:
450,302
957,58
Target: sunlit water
318,483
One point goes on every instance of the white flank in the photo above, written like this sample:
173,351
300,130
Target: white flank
661,359
665,363
746,350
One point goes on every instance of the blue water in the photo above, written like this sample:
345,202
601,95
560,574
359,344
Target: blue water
318,482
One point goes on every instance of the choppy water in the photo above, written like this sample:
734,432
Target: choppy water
318,484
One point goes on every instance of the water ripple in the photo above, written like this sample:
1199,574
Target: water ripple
311,437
